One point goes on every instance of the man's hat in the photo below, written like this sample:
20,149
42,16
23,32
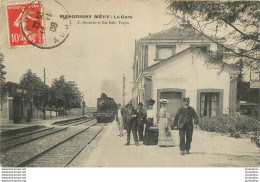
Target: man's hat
130,104
186,99
150,102
140,104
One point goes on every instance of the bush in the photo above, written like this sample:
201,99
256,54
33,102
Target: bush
246,124
223,124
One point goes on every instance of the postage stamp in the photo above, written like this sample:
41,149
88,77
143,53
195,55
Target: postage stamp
18,18
55,29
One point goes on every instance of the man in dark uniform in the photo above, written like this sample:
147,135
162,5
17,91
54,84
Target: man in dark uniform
124,111
131,124
141,117
184,121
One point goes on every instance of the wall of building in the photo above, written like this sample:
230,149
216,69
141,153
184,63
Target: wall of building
4,112
138,92
179,47
189,72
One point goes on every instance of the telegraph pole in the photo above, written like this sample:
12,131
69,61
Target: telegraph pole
83,106
44,79
31,105
123,96
44,76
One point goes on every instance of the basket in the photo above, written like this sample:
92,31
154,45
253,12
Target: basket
153,128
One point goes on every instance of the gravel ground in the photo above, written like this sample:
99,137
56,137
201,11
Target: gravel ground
10,143
19,154
207,150
90,123
62,154
80,122
86,152
70,122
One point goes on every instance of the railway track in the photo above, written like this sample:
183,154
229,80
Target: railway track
75,122
3,139
63,154
13,142
61,147
19,139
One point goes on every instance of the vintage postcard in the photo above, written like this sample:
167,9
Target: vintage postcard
135,83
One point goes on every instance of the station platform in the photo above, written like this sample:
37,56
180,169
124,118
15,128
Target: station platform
9,129
207,150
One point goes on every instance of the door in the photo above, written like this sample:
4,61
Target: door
175,101
17,109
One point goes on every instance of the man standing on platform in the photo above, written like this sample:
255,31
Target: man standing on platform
131,124
141,117
124,113
119,119
184,121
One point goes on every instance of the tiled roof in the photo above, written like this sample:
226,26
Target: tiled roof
176,33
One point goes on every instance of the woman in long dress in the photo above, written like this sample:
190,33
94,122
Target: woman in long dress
150,137
165,134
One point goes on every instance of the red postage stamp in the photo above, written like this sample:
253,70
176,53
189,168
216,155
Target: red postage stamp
19,15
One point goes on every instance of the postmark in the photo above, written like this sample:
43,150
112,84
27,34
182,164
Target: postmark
14,19
55,30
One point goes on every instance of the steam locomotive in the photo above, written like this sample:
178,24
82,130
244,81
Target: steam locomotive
106,109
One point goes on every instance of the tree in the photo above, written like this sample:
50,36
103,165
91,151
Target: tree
64,94
57,98
2,79
37,88
72,95
237,22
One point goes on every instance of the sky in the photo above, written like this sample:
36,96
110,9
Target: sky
94,56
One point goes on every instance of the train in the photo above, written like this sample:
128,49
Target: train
106,109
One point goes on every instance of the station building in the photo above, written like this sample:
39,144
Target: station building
17,107
173,64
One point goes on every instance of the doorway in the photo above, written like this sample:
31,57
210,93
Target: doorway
175,100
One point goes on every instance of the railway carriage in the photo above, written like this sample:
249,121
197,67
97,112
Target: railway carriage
106,109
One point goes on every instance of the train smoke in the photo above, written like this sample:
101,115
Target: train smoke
111,89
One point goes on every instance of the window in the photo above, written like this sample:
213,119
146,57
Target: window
143,54
203,48
209,104
146,56
164,51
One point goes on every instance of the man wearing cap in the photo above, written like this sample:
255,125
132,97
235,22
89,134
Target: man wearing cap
131,124
184,121
141,117
124,113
